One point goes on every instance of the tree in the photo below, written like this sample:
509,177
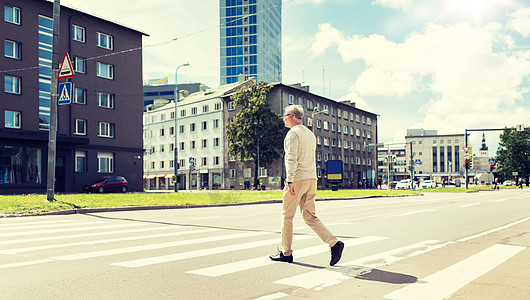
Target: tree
513,154
256,132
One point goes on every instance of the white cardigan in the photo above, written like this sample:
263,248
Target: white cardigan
300,147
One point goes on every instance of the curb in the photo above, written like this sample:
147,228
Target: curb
159,207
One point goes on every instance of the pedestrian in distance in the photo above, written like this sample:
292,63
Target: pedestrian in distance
301,186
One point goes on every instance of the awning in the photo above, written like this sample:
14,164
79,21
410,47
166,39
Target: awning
169,175
150,176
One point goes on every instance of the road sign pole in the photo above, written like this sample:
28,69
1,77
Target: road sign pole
52,138
465,138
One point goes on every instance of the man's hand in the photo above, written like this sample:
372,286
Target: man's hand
290,186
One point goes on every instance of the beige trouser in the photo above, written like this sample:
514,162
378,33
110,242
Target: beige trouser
305,191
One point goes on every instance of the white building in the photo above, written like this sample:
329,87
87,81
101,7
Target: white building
436,156
200,141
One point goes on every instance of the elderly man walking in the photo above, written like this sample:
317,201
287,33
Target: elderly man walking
301,186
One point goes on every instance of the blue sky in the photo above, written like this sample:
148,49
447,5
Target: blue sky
442,65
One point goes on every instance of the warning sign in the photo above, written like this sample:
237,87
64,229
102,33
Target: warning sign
66,70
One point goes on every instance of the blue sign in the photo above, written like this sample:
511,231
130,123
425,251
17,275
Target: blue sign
491,161
192,160
65,93
334,168
417,162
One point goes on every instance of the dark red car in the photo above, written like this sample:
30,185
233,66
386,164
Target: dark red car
108,184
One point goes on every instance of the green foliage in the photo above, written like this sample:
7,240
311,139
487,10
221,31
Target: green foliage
513,154
255,128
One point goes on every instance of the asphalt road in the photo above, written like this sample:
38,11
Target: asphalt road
436,246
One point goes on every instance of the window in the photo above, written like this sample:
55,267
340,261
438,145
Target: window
105,70
105,100
192,127
204,161
12,84
79,65
204,143
300,101
204,125
262,172
106,129
232,173
193,111
369,121
247,173
357,118
181,145
11,49
80,96
106,162
183,113
216,123
291,99
192,144
181,128
80,127
218,106
162,131
231,105
216,160
104,40
12,14
171,130
12,119
216,142
326,125
309,104
78,33
80,161
205,108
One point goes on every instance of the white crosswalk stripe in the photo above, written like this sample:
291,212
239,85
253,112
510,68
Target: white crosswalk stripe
252,263
444,283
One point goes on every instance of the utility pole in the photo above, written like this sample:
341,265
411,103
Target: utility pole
52,139
411,167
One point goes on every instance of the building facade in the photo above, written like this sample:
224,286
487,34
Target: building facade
250,40
343,133
436,156
96,136
392,163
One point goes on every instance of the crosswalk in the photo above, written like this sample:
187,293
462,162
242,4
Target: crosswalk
28,242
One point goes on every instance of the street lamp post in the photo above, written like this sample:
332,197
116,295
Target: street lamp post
175,147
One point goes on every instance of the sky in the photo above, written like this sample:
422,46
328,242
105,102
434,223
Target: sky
445,65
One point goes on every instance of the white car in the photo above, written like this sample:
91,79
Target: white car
403,184
428,184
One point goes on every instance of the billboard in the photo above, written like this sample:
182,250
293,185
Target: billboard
334,168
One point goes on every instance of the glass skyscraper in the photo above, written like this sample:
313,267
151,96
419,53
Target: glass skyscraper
251,40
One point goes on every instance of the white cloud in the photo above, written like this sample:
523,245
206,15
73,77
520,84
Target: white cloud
471,85
404,5
520,21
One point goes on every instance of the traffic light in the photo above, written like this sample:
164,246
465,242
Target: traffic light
491,168
466,164
390,166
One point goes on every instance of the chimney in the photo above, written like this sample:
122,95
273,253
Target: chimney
202,88
183,94
240,78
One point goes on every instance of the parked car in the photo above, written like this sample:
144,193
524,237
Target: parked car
403,184
428,184
108,184
508,182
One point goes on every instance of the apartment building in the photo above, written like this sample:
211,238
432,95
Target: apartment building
97,133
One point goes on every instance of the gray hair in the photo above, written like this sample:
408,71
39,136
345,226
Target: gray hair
295,110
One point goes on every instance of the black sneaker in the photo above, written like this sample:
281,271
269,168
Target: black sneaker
336,253
281,257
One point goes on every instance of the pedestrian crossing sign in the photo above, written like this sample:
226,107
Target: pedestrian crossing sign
65,93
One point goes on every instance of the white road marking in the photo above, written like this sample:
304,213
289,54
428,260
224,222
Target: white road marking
332,275
35,225
416,212
204,218
198,253
156,246
72,236
252,263
104,241
469,205
37,232
444,283
26,263
492,230
501,200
